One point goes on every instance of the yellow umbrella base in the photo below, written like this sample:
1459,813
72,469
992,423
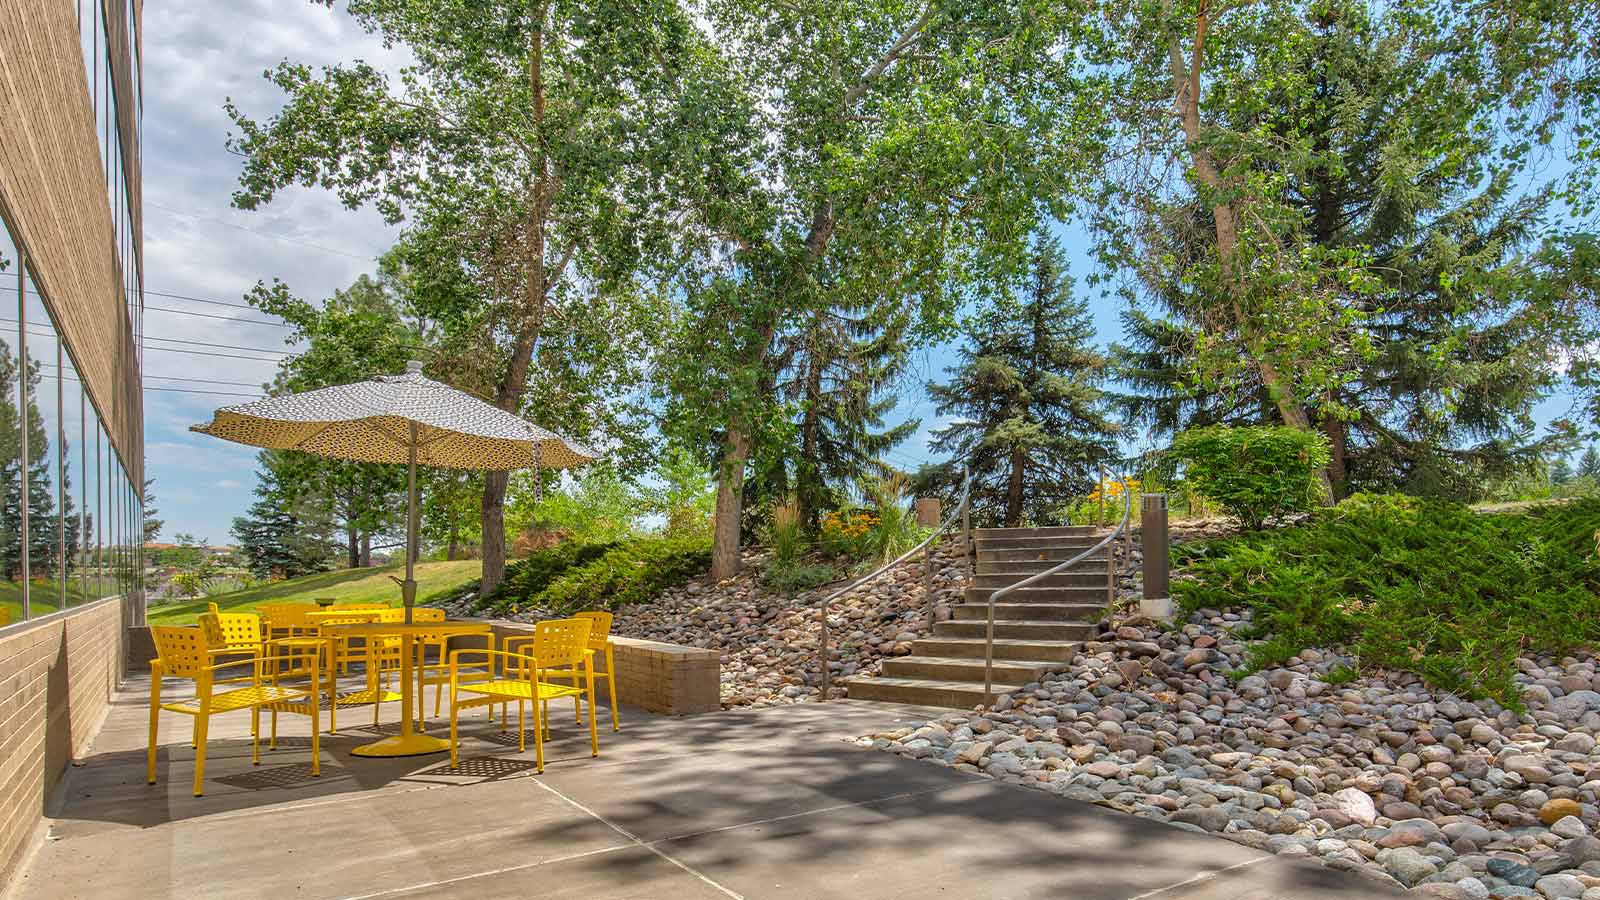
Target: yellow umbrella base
403,745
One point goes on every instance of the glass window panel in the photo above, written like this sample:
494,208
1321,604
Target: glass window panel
101,487
11,539
45,576
71,497
89,491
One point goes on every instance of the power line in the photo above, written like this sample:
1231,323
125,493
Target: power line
201,380
151,293
190,312
179,390
218,346
275,237
220,355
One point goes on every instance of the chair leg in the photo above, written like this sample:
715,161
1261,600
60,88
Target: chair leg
202,724
272,740
155,727
522,730
315,703
611,684
594,739
538,739
454,743
255,735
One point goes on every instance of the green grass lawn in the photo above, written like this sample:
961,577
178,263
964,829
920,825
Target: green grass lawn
45,598
345,586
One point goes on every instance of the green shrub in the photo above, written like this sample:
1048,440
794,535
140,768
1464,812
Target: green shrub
631,572
1258,474
527,577
792,578
1423,585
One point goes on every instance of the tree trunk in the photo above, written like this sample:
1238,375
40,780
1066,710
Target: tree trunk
537,287
1338,473
454,546
352,548
494,531
1186,89
366,551
725,562
1014,489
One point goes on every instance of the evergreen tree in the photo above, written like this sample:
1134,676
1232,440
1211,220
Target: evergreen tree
1431,351
1589,463
1560,470
152,520
842,367
1030,415
276,536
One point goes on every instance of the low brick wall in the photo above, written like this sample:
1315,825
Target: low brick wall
660,678
57,676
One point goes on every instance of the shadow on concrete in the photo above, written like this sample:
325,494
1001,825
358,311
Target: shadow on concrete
753,803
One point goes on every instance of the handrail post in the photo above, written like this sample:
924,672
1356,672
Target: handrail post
966,530
825,653
927,582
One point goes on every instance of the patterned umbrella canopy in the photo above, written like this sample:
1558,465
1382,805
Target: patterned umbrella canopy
406,419
370,421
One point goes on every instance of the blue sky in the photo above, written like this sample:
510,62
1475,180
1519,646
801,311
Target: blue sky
198,246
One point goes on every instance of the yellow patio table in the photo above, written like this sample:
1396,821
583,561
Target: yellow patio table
408,742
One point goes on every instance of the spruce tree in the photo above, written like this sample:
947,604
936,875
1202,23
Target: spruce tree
1394,175
1589,463
281,535
1029,413
1560,470
843,365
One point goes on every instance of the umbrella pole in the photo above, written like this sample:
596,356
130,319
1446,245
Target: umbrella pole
408,588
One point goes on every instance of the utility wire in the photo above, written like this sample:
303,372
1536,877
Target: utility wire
218,346
190,312
221,355
275,237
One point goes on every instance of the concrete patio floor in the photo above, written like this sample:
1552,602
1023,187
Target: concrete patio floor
769,803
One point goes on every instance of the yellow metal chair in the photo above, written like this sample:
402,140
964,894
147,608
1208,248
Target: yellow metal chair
185,653
599,642
556,643
437,673
5,617
288,619
232,635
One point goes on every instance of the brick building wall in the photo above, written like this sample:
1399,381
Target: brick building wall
57,676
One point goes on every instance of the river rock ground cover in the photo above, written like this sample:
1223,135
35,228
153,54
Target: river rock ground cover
1381,774
769,641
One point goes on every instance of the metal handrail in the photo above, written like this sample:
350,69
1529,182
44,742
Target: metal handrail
988,637
825,602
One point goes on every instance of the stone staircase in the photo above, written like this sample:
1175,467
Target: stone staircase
1036,628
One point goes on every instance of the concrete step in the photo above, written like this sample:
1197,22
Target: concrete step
955,668
1036,554
1074,577
1004,648
1016,571
953,694
1021,629
1052,531
1035,594
1030,543
1043,612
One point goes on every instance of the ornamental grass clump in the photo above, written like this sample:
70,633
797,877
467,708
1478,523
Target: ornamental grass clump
1426,586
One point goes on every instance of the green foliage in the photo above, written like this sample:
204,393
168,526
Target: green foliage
188,584
788,533
600,506
1029,416
1423,585
793,578
631,572
1257,474
895,530
527,577
687,495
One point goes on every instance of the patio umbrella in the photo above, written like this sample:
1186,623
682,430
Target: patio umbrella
406,419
